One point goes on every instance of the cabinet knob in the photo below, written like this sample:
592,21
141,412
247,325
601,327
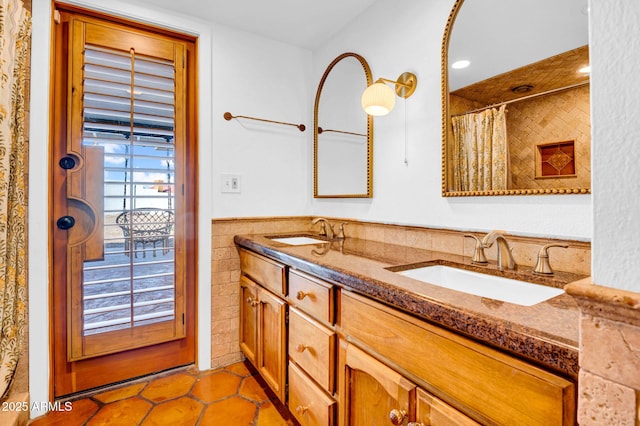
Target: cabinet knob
302,294
397,416
301,409
301,348
253,302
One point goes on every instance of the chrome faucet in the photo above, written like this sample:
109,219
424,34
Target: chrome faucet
326,229
504,251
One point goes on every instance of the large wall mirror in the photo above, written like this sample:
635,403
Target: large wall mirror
343,132
515,98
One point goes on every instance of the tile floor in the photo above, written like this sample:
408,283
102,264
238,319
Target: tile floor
233,396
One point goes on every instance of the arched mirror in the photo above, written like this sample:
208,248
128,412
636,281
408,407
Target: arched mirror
343,132
515,98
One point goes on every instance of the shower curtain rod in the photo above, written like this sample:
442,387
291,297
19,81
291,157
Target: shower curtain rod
524,98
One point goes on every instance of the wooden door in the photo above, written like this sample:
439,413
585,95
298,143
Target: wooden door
249,303
272,359
373,394
123,175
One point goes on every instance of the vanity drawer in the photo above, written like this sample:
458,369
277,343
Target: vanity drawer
309,404
312,295
266,272
498,388
312,347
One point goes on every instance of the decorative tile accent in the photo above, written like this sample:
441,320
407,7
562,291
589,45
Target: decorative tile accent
555,159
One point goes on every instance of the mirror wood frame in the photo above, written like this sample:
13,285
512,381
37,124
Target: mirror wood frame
446,122
369,81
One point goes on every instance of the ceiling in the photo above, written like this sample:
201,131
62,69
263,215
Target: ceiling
303,23
548,74
498,36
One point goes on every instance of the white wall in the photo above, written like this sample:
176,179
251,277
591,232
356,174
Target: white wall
409,39
270,80
615,64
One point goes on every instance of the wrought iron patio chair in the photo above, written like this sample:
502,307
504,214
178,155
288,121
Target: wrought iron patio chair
146,226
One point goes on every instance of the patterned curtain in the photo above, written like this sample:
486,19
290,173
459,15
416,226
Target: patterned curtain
15,36
481,154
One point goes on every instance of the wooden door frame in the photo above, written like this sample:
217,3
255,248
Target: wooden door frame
67,377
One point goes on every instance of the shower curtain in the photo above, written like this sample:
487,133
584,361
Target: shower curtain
15,34
480,151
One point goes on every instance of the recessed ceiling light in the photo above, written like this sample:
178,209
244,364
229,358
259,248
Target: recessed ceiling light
460,64
585,70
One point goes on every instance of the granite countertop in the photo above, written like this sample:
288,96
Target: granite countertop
545,333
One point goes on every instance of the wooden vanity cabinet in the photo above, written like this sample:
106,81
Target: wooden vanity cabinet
263,319
310,405
312,350
249,302
312,347
373,394
313,296
349,360
485,384
432,411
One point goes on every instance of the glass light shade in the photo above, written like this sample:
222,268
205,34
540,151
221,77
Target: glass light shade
378,99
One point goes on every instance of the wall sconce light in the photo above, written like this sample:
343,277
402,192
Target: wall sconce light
379,99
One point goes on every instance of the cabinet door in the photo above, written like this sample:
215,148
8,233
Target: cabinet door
249,319
374,394
434,412
272,359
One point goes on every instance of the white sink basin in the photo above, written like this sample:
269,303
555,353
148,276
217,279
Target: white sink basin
498,288
299,241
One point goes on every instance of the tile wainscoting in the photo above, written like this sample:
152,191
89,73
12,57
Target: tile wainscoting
225,277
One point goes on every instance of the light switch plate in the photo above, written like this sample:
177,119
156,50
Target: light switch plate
230,183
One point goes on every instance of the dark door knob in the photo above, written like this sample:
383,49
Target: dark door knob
67,163
66,222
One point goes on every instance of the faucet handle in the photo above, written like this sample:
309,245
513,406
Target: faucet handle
340,232
478,250
543,266
323,229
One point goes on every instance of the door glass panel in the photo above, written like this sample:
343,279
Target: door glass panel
128,113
